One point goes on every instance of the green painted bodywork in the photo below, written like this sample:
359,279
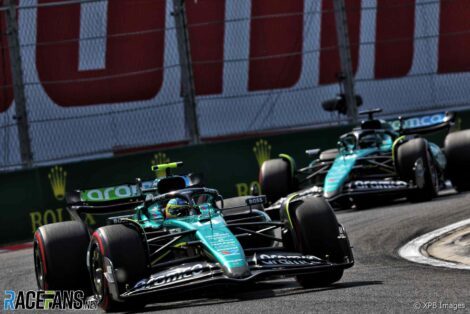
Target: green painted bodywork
342,166
346,160
218,242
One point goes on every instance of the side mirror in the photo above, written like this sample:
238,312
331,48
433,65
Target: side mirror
313,153
343,147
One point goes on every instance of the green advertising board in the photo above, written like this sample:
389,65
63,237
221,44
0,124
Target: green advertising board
35,197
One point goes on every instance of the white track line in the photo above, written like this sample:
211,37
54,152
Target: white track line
412,250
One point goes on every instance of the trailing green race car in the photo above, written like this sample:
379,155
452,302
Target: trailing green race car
375,162
180,235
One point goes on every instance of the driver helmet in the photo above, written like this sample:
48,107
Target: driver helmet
177,207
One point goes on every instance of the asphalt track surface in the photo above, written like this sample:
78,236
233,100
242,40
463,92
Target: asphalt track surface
379,282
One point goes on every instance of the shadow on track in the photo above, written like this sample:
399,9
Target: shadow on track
262,290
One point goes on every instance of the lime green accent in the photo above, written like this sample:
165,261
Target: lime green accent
291,162
168,252
395,144
158,259
287,208
171,165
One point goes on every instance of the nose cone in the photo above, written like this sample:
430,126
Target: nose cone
237,272
223,247
330,194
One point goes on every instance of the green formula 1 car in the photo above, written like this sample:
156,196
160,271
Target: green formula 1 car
179,235
375,162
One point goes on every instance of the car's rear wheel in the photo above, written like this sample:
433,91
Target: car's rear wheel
318,234
415,164
276,179
124,248
60,256
457,150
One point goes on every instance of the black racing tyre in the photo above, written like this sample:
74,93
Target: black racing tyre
457,150
60,251
414,163
124,247
275,179
329,154
316,225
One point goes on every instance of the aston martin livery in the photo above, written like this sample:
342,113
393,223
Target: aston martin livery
376,162
177,235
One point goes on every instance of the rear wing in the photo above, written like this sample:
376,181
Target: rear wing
107,199
423,124
110,194
125,196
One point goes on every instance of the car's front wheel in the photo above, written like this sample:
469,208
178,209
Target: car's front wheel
319,234
122,246
415,164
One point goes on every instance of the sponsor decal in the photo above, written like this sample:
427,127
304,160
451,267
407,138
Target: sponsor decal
256,200
174,275
230,252
376,185
287,260
110,193
47,300
262,152
113,192
420,122
58,179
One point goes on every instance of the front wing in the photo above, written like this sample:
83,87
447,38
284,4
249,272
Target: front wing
198,275
373,187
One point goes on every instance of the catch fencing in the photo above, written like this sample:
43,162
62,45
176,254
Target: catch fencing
100,77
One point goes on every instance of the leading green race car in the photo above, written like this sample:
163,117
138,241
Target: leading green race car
180,235
374,163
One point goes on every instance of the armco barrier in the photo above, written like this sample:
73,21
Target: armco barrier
36,197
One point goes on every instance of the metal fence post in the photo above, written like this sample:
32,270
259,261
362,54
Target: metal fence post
18,85
345,58
187,76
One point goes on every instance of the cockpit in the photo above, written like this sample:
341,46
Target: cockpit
362,139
